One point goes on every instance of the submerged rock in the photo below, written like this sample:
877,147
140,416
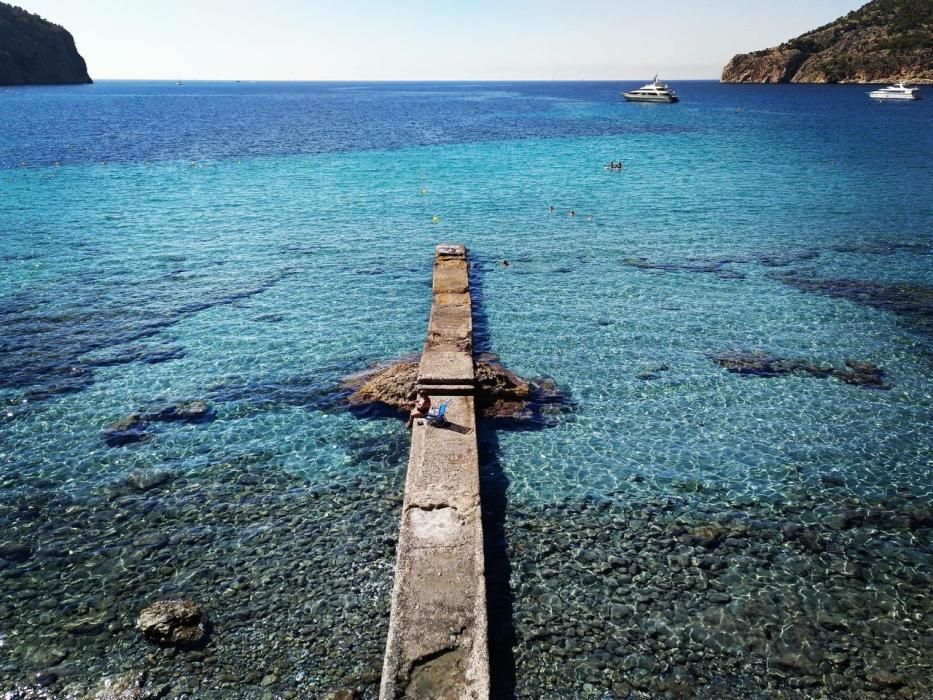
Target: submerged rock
862,374
45,355
130,429
144,480
762,364
133,427
343,694
187,411
911,300
179,623
126,686
713,267
125,354
15,551
652,373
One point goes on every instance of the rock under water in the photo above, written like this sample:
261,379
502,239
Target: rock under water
173,623
133,428
762,364
911,300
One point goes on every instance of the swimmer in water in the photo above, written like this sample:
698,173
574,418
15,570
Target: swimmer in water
572,213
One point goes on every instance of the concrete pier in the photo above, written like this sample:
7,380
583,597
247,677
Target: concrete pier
437,644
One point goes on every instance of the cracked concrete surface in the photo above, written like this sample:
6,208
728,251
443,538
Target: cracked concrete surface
437,643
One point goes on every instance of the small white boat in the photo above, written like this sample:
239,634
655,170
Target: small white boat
895,92
655,91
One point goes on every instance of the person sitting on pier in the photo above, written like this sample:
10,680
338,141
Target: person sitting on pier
421,408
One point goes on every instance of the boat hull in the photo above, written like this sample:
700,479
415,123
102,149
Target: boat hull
629,97
884,96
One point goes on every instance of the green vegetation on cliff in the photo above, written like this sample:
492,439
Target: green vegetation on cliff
36,52
883,41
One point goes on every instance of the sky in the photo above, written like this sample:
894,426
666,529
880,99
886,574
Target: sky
426,39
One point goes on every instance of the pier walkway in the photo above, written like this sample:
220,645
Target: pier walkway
437,643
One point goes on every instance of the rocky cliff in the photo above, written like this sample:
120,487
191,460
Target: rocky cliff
36,52
881,42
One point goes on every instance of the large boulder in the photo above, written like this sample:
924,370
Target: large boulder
179,623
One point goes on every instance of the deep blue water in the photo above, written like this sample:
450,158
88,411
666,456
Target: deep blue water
251,244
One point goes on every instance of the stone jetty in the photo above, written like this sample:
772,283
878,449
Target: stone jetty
437,643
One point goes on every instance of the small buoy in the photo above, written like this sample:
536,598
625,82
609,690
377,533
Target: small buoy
424,191
435,219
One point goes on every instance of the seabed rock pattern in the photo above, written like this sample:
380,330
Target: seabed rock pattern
824,595
662,600
48,350
912,301
296,579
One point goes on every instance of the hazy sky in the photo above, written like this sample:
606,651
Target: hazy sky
426,40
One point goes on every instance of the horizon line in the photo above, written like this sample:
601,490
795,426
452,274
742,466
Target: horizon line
396,80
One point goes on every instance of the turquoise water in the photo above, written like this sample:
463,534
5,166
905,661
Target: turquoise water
276,239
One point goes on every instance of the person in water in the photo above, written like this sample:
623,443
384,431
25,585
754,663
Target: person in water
421,408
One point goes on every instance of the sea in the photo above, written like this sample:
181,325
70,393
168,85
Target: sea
733,500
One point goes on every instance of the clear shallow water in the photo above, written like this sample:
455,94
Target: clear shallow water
249,245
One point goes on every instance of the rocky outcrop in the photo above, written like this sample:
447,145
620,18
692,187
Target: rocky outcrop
500,393
179,623
882,42
34,51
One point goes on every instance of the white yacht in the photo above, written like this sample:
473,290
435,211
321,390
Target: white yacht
652,92
896,92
